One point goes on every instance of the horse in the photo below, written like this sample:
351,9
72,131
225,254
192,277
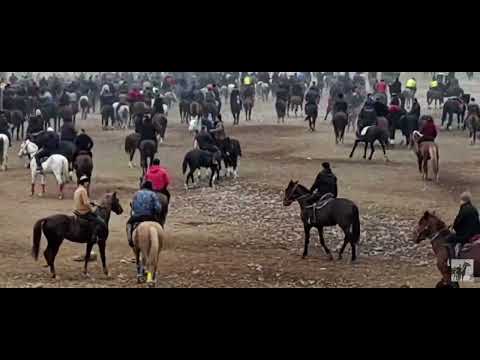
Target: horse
184,107
4,144
139,109
55,164
148,149
311,110
432,227
196,159
160,123
370,135
123,117
232,152
342,212
66,114
195,109
149,239
435,96
408,124
84,166
56,228
295,103
50,112
453,106
236,108
281,108
264,91
169,98
17,119
107,113
425,151
131,146
472,123
407,96
224,92
248,104
85,106
340,122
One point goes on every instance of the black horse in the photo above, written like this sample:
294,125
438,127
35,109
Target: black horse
232,152
373,134
59,227
236,108
435,96
281,108
17,119
196,159
342,212
454,106
311,110
148,149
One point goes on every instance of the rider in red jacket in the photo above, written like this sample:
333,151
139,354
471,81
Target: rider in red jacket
158,176
429,130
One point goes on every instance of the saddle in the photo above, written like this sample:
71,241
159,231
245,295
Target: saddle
320,204
365,130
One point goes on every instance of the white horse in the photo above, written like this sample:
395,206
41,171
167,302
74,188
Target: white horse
123,117
55,164
4,144
195,124
170,98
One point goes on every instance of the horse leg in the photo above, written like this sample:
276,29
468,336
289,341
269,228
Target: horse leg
51,251
372,148
101,246
366,148
384,151
425,168
87,257
419,159
322,242
307,239
354,147
342,249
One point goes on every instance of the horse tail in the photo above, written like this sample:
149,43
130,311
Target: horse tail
184,165
433,150
356,225
37,235
152,257
65,168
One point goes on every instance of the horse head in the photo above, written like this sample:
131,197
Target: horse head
27,148
289,196
111,202
428,226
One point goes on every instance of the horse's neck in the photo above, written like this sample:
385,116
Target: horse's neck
104,212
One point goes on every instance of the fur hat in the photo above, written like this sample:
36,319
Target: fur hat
466,197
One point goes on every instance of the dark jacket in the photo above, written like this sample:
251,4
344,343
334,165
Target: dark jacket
64,100
282,94
340,105
68,133
84,142
381,109
52,141
311,97
467,223
396,88
326,182
158,106
415,110
148,132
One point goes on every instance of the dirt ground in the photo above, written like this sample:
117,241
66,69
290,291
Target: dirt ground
240,235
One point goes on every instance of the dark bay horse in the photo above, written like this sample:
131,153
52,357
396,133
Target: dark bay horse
340,122
435,96
451,107
432,227
56,228
84,166
248,104
184,107
340,212
281,108
373,134
131,146
148,149
311,110
236,108
17,119
160,122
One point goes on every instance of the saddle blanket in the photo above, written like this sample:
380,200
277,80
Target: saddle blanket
364,130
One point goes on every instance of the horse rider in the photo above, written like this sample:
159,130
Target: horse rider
218,98
282,92
205,141
210,95
434,84
416,109
395,88
145,207
380,108
64,99
158,105
325,183
148,131
159,177
35,123
218,132
68,132
367,116
83,143
472,108
412,85
51,145
5,128
429,130
381,87
466,224
83,207
340,105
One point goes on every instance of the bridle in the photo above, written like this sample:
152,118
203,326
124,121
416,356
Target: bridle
300,197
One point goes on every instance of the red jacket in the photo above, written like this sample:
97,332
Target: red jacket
159,177
381,87
394,109
429,129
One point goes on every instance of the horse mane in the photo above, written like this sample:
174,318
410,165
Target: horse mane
300,186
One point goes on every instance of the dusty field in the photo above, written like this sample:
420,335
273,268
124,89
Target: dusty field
241,235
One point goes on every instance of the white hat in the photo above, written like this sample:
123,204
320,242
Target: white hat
50,129
83,178
38,112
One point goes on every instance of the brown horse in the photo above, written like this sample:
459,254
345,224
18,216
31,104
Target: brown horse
426,150
160,123
56,228
294,104
472,123
131,145
195,109
149,240
432,227
339,122
248,104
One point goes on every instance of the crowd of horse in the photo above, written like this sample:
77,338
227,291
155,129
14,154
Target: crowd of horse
40,113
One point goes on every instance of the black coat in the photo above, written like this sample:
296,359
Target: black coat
84,142
467,223
326,182
148,132
340,105
381,109
396,88
52,141
68,133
